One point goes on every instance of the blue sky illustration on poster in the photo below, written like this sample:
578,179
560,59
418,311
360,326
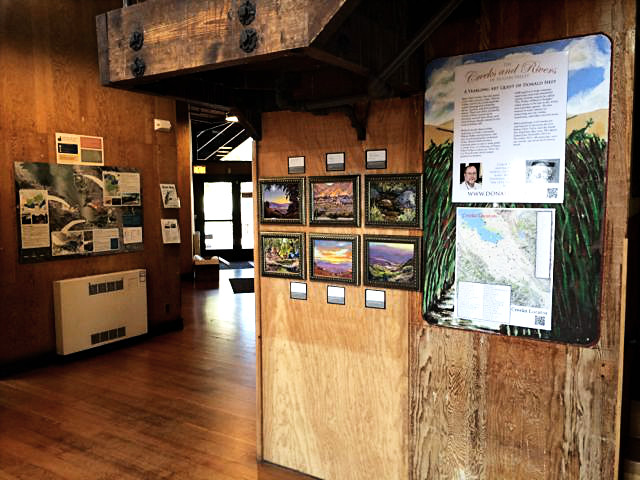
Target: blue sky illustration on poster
588,83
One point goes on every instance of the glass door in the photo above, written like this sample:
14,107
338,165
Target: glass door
224,215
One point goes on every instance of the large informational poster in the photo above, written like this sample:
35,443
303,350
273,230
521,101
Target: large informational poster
72,210
515,169
510,119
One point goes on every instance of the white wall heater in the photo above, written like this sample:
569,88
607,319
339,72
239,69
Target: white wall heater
99,309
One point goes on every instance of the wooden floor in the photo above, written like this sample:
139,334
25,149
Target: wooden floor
176,406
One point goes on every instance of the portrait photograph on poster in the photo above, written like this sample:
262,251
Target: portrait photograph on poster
282,255
334,200
334,258
392,261
393,200
281,200
543,143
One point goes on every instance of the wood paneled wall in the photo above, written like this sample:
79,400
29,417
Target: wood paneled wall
484,406
335,378
49,83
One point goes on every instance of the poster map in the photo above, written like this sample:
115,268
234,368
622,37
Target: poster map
470,282
67,210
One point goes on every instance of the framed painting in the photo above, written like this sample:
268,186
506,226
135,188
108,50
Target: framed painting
392,261
334,258
282,255
281,200
393,200
334,200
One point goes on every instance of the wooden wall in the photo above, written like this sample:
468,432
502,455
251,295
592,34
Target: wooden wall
335,378
484,406
49,83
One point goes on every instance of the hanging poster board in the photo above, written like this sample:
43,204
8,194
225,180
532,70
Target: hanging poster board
71,210
481,271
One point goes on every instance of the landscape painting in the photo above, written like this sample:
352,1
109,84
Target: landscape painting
334,200
393,200
281,200
392,262
334,258
282,255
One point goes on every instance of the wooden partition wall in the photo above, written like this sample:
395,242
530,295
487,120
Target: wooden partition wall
480,406
49,83
334,378
486,406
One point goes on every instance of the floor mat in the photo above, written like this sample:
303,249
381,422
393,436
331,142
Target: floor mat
241,285
236,265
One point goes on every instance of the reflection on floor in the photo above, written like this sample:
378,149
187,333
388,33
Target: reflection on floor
179,405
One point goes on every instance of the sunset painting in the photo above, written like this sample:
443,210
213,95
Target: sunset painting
334,258
281,200
334,200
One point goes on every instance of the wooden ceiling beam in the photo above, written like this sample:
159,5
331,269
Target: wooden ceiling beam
169,38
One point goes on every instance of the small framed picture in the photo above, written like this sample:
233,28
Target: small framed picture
392,262
281,200
298,290
334,258
393,200
295,165
282,255
376,159
375,299
335,162
335,295
334,200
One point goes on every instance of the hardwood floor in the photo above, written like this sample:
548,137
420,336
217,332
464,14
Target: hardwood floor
176,406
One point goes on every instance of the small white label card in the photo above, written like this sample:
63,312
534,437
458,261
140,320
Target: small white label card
335,162
375,298
335,295
376,159
296,165
298,290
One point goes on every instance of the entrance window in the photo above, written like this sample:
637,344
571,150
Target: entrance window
218,215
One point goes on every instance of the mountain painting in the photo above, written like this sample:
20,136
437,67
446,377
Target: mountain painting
334,200
332,259
281,200
390,262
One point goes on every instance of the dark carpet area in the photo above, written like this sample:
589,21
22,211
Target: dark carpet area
235,265
241,285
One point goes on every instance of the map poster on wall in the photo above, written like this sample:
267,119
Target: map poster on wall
62,211
504,259
510,120
457,296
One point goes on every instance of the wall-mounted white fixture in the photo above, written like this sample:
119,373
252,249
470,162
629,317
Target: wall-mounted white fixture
161,125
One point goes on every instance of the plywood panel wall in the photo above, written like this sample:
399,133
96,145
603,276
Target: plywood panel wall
484,406
49,83
334,378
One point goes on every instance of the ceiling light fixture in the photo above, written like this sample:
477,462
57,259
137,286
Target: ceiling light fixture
231,118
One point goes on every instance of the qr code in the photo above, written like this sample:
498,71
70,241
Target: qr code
552,193
539,320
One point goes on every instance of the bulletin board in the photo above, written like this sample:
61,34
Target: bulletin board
483,268
68,211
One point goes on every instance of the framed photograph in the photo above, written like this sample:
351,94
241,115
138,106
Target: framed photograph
335,295
376,159
393,200
281,200
334,258
334,200
335,162
298,290
375,299
282,255
295,165
392,262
